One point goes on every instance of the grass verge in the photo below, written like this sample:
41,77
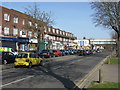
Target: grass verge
104,85
113,60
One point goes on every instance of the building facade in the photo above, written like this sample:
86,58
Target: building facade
16,32
96,43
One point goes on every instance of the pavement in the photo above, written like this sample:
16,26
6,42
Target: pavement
109,74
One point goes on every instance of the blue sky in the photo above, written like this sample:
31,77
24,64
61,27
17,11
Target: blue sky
74,17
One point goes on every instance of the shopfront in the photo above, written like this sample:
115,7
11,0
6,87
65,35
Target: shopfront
9,42
23,44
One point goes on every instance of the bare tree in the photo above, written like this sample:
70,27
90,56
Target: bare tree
107,14
40,20
114,35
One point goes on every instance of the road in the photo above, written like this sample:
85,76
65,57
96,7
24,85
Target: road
59,72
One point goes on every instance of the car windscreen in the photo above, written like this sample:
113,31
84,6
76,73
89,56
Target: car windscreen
54,51
22,55
44,51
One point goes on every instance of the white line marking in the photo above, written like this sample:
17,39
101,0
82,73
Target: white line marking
57,67
16,81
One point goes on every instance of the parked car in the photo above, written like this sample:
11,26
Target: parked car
47,53
57,52
66,51
91,51
88,52
7,49
28,59
63,52
7,57
81,52
70,52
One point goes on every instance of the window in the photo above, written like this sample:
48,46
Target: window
35,35
49,29
45,29
63,33
6,17
30,23
15,19
53,30
6,30
23,22
15,32
36,25
30,34
60,32
66,34
57,31
32,56
23,32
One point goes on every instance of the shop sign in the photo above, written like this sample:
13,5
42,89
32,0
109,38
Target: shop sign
9,39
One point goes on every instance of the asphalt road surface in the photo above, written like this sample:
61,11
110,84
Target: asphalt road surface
59,72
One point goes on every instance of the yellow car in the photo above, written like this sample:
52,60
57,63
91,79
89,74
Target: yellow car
27,59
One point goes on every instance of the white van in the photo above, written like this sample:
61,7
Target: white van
7,49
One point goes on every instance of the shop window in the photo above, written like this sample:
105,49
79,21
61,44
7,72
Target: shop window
6,17
6,30
15,32
15,19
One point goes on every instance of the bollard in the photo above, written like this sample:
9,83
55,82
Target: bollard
100,76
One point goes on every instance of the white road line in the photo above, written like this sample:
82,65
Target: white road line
57,67
16,81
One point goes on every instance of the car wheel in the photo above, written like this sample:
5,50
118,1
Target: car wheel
30,65
53,56
42,63
15,66
5,62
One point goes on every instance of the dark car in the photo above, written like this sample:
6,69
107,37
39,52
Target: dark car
47,53
67,52
81,52
71,52
7,57
63,52
88,52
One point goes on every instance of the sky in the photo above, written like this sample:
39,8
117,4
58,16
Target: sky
74,17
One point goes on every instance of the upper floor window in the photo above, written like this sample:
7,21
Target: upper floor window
23,22
30,23
30,34
35,35
6,30
15,31
63,33
45,29
60,32
6,17
53,30
49,29
66,34
57,31
15,19
36,25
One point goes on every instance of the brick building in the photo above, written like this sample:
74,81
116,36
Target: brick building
14,32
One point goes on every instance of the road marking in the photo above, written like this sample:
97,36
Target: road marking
16,81
57,67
